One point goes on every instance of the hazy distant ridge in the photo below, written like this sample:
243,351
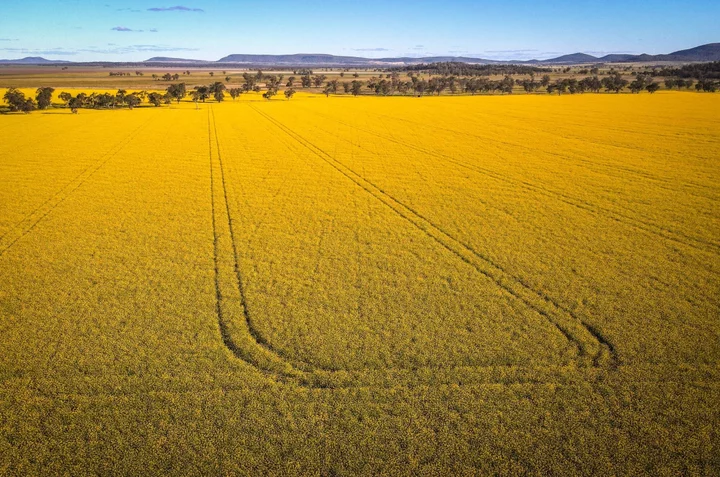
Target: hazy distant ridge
709,52
33,60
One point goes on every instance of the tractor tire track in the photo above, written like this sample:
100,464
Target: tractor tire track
316,377
252,329
222,219
668,234
590,165
640,173
509,215
589,206
46,208
572,327
120,143
260,217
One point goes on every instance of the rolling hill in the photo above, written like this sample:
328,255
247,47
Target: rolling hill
708,52
32,60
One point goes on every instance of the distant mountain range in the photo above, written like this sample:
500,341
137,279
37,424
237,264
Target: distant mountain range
709,52
32,60
166,59
321,59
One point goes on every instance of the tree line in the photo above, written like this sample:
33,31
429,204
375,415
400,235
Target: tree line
18,102
455,68
381,86
699,71
419,86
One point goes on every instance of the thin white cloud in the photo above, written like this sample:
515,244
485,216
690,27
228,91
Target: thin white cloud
510,51
122,28
121,50
112,50
29,51
370,49
177,8
603,53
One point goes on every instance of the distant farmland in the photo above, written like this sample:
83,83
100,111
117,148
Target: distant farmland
372,285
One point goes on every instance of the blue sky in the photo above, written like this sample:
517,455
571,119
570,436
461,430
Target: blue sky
131,30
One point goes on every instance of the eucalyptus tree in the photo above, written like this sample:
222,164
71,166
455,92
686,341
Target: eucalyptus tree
356,87
177,91
43,97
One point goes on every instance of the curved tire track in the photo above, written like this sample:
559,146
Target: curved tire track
575,329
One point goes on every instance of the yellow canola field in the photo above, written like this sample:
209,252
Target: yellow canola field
445,285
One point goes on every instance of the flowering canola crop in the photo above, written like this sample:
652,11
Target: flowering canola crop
362,285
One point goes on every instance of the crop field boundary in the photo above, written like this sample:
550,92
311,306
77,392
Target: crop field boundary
668,234
594,351
31,220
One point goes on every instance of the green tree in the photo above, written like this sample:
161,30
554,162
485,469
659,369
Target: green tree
44,97
177,91
506,85
652,87
75,104
318,80
269,93
17,102
65,97
614,82
131,100
289,93
217,89
155,99
356,87
248,82
201,93
420,86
